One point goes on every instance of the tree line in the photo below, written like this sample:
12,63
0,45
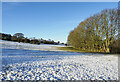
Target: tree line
19,37
98,33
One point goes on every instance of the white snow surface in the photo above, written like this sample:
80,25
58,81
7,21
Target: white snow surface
68,67
80,67
16,45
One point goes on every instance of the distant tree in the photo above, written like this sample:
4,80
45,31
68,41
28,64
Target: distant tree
41,39
25,40
1,36
19,35
14,38
44,41
58,42
52,42
6,37
66,45
35,41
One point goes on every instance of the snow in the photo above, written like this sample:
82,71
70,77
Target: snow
79,67
16,45
58,67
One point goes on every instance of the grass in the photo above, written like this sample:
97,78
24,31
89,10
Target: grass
71,49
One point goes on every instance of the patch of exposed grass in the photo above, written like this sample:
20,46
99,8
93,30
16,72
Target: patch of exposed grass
71,49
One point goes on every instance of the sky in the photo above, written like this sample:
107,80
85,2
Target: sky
48,20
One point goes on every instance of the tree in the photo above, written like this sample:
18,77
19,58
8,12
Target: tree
26,40
14,38
58,42
96,33
6,37
19,35
35,41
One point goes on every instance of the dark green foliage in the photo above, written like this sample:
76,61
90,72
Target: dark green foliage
58,42
48,42
26,40
5,36
19,37
44,42
14,38
35,41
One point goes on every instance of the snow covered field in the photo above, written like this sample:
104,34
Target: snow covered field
72,67
56,65
16,45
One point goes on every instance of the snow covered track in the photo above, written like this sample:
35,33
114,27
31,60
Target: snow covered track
79,67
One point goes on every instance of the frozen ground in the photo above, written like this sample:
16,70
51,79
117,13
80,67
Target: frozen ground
79,67
55,65
16,45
